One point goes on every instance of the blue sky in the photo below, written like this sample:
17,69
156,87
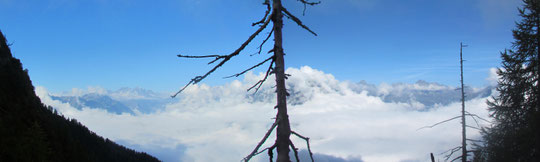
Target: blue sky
75,44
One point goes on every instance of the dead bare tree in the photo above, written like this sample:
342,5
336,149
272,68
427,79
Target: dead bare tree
274,13
464,113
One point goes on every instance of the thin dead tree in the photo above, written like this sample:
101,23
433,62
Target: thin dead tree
464,113
463,128
274,13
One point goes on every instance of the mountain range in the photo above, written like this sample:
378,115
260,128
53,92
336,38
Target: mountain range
124,100
422,95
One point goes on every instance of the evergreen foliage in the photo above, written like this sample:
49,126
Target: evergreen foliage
31,131
514,135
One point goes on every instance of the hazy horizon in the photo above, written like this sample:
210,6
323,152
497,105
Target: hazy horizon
346,121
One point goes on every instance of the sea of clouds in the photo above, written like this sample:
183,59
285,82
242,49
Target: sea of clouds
346,121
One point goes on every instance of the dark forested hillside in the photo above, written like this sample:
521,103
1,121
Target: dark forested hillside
31,131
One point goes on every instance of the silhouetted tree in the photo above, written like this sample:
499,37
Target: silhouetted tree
515,135
275,12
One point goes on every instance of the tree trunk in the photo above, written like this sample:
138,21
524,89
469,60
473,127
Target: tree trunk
463,124
283,128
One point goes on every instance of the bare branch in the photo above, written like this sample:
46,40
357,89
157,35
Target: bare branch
264,41
205,56
473,127
260,82
185,86
452,151
473,140
307,3
297,20
295,150
475,121
217,57
455,148
268,9
271,153
271,50
307,141
211,62
265,149
254,66
474,115
225,58
254,152
447,120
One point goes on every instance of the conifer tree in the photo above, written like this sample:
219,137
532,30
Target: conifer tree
515,133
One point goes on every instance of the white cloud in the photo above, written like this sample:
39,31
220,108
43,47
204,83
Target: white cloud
493,77
224,123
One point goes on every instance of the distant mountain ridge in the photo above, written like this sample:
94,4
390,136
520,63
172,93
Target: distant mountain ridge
96,101
306,82
423,95
427,93
31,131
124,100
